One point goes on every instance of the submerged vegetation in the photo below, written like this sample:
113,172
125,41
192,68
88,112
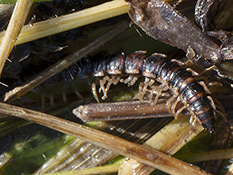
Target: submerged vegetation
39,81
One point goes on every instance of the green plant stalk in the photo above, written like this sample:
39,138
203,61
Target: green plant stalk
113,168
208,155
8,126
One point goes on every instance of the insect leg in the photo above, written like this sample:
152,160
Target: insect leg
208,69
143,88
113,80
180,63
179,111
206,89
130,80
193,121
220,108
94,92
172,104
102,83
156,92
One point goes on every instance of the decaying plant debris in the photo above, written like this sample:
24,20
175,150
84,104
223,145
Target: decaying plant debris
146,144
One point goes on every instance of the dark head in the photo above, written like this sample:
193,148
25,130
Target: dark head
207,119
209,125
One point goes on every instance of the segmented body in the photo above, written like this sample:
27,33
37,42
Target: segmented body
171,75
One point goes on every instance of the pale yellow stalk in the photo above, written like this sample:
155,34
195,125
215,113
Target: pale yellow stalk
67,22
168,140
15,25
135,151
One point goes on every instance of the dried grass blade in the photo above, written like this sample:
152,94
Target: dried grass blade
230,170
75,156
71,21
140,153
15,25
95,170
168,140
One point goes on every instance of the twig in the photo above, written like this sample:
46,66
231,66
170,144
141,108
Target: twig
120,111
140,153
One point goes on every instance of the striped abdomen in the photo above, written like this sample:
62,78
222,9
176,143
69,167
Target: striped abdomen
181,82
